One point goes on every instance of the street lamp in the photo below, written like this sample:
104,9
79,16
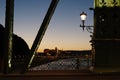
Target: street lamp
83,16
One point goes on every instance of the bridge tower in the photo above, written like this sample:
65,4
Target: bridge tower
106,36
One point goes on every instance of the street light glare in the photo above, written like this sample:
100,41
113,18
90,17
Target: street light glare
83,16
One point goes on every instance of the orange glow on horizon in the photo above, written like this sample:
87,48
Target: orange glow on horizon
41,49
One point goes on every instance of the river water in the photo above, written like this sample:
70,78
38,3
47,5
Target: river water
65,64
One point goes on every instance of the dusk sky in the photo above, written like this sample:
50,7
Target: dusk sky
63,31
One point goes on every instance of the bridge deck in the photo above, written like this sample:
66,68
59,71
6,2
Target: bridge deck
59,75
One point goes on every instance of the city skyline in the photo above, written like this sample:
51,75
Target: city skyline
63,31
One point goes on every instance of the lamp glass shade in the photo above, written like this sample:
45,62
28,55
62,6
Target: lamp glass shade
83,16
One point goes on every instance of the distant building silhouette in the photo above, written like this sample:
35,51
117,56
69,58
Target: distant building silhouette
51,52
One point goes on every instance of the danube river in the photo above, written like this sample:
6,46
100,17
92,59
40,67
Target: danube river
65,64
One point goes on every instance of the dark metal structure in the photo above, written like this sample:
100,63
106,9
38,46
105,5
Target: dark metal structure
8,35
9,31
41,33
106,36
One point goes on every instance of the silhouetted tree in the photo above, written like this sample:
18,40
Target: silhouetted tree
1,40
20,47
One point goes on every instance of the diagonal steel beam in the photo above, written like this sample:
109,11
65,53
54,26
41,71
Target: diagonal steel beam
41,33
8,35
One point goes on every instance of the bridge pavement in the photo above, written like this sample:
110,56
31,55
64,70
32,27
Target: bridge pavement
60,75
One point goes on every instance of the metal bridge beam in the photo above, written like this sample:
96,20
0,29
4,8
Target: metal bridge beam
41,33
8,35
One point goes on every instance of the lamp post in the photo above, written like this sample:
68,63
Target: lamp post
83,16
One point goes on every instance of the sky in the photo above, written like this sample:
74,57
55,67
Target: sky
63,31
